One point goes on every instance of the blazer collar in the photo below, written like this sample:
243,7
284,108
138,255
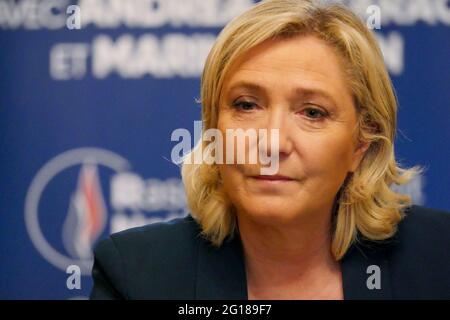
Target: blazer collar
221,271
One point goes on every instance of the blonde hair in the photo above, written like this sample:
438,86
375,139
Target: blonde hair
365,204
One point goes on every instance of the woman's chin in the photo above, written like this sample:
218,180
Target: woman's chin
278,212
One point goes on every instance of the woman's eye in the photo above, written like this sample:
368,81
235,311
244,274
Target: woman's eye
244,105
314,113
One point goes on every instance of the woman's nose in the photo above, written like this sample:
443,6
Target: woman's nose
282,143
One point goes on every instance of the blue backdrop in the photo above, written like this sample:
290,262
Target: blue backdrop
86,117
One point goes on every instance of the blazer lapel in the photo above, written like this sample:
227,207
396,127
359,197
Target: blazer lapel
359,266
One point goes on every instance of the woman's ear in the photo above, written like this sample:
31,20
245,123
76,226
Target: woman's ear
358,154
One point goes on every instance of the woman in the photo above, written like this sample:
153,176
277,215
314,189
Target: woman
326,225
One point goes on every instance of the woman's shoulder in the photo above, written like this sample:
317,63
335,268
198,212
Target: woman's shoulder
422,235
412,264
427,213
169,238
159,256
161,233
420,256
424,225
422,229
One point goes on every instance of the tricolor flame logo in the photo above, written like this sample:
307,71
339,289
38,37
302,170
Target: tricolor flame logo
86,216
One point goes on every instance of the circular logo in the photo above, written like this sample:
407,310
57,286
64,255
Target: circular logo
86,212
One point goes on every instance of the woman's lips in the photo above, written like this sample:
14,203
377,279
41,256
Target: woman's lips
271,184
273,178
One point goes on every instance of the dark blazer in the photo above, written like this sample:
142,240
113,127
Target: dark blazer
171,261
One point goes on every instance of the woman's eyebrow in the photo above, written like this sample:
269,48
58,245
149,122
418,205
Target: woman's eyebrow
247,85
299,91
316,92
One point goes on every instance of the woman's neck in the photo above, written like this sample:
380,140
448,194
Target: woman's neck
289,261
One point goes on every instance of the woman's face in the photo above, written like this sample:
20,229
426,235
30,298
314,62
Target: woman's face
295,85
